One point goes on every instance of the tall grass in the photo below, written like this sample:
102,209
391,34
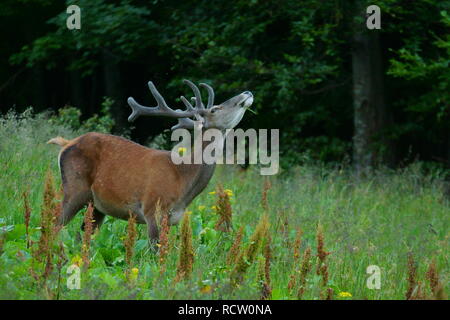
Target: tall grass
374,221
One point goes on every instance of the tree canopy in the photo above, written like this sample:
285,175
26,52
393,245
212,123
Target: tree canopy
295,56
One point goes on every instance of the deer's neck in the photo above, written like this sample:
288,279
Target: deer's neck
196,175
201,175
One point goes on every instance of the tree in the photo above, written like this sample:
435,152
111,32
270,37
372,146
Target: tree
110,34
370,113
315,76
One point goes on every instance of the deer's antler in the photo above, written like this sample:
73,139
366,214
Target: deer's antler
210,94
162,109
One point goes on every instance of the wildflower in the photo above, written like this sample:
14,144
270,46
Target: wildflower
188,212
297,244
206,289
264,202
130,239
412,276
27,214
264,271
329,294
88,228
133,274
322,267
212,192
182,151
214,207
228,192
344,294
201,208
47,221
186,257
223,209
305,268
433,277
163,244
248,255
235,247
77,260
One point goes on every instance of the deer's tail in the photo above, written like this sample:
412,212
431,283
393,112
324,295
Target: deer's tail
60,141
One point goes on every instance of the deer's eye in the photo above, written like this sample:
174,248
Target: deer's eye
214,110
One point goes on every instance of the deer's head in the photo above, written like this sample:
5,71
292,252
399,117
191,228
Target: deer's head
223,116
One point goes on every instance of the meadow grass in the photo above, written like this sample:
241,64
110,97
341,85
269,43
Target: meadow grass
377,220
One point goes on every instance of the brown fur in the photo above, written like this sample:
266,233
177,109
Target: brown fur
119,176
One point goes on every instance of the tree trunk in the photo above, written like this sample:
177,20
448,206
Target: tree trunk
370,146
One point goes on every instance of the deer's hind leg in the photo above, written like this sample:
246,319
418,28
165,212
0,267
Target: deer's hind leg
72,204
75,170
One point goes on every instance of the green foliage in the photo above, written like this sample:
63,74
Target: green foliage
373,221
117,29
427,63
275,56
104,122
271,48
70,117
295,56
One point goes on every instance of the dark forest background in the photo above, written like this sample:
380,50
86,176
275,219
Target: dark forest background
338,91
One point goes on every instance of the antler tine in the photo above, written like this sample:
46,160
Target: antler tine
187,103
184,123
162,109
198,98
210,94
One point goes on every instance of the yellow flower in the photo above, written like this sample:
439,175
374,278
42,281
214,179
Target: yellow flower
201,207
344,294
158,245
205,289
134,274
212,192
181,151
188,212
228,192
214,207
77,260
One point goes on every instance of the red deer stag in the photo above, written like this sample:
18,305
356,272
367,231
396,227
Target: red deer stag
121,176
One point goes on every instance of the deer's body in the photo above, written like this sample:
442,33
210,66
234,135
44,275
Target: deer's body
122,177
149,176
